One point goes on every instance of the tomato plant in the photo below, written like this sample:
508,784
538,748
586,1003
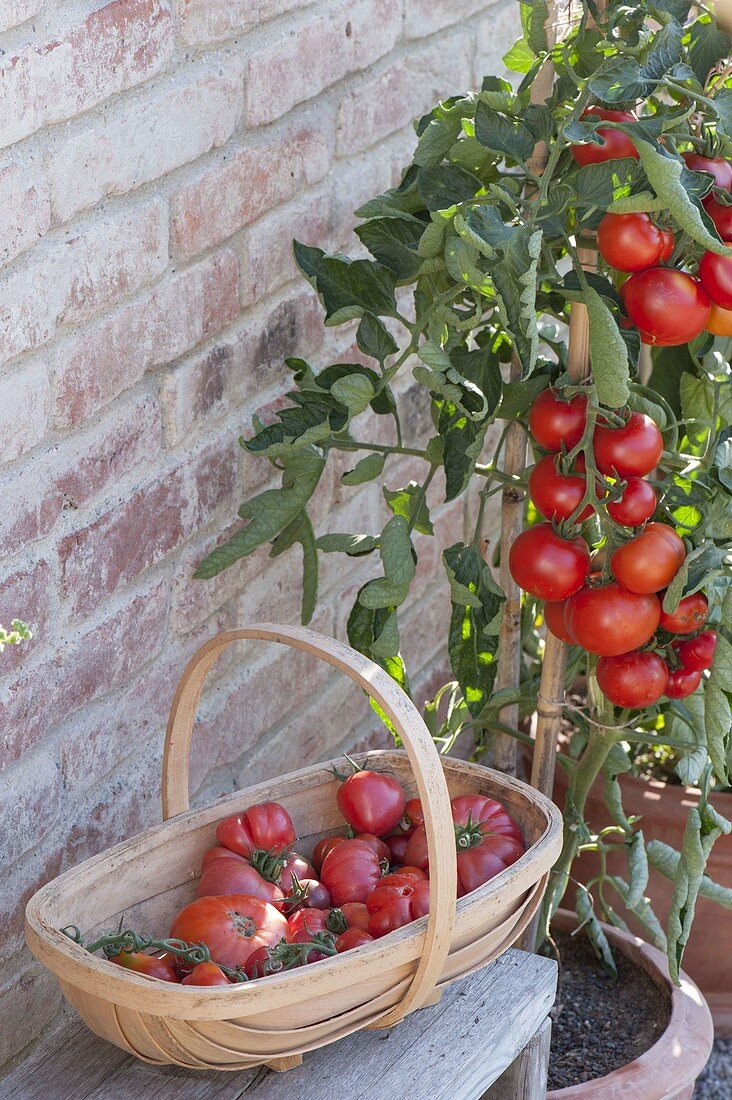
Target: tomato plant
371,802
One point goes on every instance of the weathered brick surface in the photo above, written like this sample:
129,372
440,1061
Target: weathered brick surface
100,362
25,206
132,144
158,158
119,45
68,279
296,65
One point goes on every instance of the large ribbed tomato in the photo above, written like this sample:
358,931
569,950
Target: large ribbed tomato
610,620
546,565
615,143
371,802
350,872
628,451
632,679
396,901
231,927
555,422
234,876
265,827
669,307
650,561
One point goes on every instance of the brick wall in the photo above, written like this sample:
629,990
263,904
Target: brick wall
155,163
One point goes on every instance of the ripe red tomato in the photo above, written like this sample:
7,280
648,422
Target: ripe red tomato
218,852
554,421
296,867
631,242
379,846
630,451
632,679
266,827
610,620
636,505
682,682
231,876
557,495
352,937
670,307
371,802
697,653
306,923
554,619
397,844
350,871
231,927
356,914
413,816
155,966
721,215
546,565
690,615
206,974
715,275
323,847
396,903
615,144
720,321
650,561
667,248
488,840
717,167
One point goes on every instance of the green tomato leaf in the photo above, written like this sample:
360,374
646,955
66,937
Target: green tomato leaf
594,931
393,242
608,353
503,135
347,288
476,601
366,469
409,502
374,339
353,545
355,391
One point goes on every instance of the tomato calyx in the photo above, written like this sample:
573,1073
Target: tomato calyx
289,956
336,922
269,863
343,776
469,835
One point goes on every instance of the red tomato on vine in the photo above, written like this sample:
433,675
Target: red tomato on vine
615,143
696,654
555,423
690,615
632,242
546,565
669,307
632,679
610,620
632,450
650,561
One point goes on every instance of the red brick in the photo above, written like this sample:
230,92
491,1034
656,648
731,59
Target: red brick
67,280
205,21
25,206
266,257
388,102
182,312
18,882
243,185
295,67
15,12
105,656
132,145
25,399
76,469
423,17
214,472
124,541
195,392
195,601
26,594
114,48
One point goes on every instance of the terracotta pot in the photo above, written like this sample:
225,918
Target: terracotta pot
665,809
668,1069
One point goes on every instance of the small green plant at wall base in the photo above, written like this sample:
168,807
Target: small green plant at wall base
475,262
19,632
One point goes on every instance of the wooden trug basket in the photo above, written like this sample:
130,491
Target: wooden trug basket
274,1020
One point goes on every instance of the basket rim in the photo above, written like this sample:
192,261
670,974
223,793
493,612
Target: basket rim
73,964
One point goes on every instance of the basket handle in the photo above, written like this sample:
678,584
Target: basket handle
418,743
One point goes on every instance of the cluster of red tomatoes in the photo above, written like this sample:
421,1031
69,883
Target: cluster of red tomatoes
261,908
668,306
616,613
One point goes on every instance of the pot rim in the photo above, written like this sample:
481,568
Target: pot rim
677,1058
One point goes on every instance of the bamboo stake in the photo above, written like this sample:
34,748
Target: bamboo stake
512,499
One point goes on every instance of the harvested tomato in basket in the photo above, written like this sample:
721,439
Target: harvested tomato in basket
231,927
371,802
265,827
350,871
155,966
396,901
233,876
206,974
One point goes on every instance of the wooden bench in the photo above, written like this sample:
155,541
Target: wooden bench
488,1036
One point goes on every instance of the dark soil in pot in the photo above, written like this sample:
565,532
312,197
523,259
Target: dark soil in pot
600,1023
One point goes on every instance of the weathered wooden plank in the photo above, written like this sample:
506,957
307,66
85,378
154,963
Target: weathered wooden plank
454,1049
526,1077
